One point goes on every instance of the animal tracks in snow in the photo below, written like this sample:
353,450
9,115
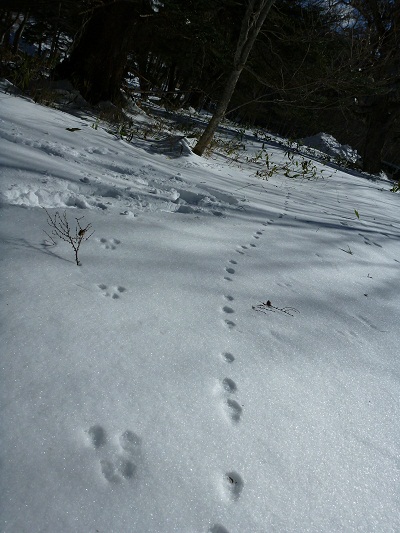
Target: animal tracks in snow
117,461
232,485
231,407
229,385
233,410
217,528
109,244
242,248
112,292
230,270
227,357
97,436
230,324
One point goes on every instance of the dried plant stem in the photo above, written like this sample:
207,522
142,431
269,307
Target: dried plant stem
267,306
61,228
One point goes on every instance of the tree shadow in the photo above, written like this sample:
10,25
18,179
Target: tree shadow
45,248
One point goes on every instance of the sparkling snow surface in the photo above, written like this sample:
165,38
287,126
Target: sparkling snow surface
141,392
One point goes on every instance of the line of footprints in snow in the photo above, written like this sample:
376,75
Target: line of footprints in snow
119,458
121,463
233,483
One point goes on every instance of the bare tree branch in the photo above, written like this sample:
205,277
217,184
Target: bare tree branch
60,228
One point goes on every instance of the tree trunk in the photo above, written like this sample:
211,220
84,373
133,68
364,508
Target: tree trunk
97,63
7,20
54,45
194,97
379,120
219,113
18,33
171,83
383,107
143,61
253,20
55,37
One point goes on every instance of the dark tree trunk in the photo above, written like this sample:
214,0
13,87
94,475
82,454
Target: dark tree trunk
143,61
6,23
55,36
171,82
18,33
219,113
195,98
54,45
256,13
7,20
97,63
380,117
382,108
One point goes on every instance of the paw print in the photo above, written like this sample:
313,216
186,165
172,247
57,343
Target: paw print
117,463
113,292
109,244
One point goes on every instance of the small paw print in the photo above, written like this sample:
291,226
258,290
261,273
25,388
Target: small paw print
113,292
119,462
109,244
117,469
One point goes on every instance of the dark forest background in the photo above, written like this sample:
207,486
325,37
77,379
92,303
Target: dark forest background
317,65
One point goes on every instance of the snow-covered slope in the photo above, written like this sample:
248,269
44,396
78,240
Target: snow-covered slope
145,391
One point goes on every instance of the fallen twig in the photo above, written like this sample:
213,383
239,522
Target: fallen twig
263,307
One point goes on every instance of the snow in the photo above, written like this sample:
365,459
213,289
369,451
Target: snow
327,144
142,392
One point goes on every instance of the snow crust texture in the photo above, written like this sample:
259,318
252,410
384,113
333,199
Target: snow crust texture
225,359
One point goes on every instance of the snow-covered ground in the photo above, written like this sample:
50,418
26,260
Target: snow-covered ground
145,391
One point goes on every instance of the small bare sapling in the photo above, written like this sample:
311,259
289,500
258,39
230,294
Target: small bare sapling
61,228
